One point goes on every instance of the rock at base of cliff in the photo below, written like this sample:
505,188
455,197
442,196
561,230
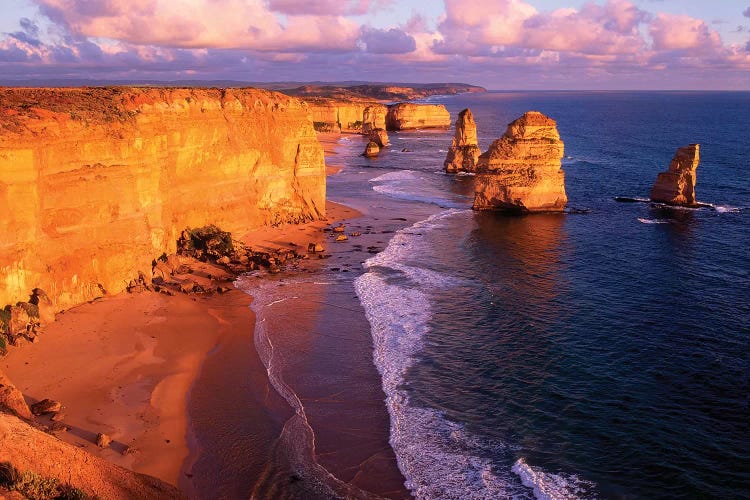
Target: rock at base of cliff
521,172
12,399
372,150
677,185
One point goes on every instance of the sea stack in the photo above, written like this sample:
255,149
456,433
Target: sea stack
464,151
373,125
371,150
677,185
405,116
521,172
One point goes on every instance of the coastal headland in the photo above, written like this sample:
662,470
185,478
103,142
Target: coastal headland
100,184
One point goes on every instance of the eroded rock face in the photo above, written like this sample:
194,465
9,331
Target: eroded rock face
521,171
464,151
373,118
340,115
379,136
404,116
99,182
677,185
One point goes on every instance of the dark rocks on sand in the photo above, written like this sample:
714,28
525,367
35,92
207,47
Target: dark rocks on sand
372,150
46,406
103,440
12,399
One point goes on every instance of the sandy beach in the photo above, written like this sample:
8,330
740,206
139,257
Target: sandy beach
125,365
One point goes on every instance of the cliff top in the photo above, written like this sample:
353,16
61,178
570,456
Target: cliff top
382,92
111,104
533,125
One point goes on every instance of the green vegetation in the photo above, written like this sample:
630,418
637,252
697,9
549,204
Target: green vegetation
208,240
36,487
356,125
322,127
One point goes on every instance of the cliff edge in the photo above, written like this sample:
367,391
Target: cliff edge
97,182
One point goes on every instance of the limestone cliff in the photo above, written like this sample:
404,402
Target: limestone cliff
521,171
677,185
98,182
404,116
339,115
464,151
373,118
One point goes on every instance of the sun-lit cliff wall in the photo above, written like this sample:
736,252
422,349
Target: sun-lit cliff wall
95,183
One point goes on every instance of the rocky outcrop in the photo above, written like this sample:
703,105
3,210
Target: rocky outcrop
28,449
371,150
11,398
464,151
373,118
677,185
379,136
405,116
98,182
521,171
339,115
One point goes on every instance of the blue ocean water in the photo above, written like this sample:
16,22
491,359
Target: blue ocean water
597,355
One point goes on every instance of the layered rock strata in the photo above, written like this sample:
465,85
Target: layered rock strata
98,182
373,118
464,151
677,185
405,116
521,171
340,115
379,136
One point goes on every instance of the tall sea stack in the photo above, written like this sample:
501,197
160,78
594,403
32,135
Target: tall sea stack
464,151
521,171
677,185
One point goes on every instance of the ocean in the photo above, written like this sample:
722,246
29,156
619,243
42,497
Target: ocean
601,353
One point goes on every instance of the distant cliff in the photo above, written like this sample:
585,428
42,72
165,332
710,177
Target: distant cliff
405,116
98,182
340,115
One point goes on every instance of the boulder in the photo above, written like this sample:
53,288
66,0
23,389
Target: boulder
464,151
12,399
103,440
379,136
521,172
372,150
46,406
677,185
405,116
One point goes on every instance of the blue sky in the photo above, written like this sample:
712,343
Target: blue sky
566,44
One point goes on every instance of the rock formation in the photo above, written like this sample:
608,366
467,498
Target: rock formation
99,182
677,185
340,115
464,151
372,150
373,118
29,449
521,171
379,136
404,116
11,398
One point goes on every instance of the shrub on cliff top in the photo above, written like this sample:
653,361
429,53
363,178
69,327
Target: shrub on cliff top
32,485
4,319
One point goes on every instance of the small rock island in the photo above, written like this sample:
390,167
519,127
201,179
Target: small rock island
521,172
677,185
464,151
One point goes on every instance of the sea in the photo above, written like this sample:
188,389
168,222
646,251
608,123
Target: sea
599,353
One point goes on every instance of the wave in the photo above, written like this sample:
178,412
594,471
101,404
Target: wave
548,486
398,175
411,185
438,457
653,221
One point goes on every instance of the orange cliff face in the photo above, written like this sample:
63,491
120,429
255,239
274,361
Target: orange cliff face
406,115
677,185
340,115
96,183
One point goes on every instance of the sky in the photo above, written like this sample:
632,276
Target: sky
498,44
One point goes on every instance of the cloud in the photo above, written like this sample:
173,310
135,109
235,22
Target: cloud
321,7
203,24
392,41
680,32
746,12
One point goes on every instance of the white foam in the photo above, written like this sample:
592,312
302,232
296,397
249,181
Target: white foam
398,175
438,457
548,486
726,209
653,221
